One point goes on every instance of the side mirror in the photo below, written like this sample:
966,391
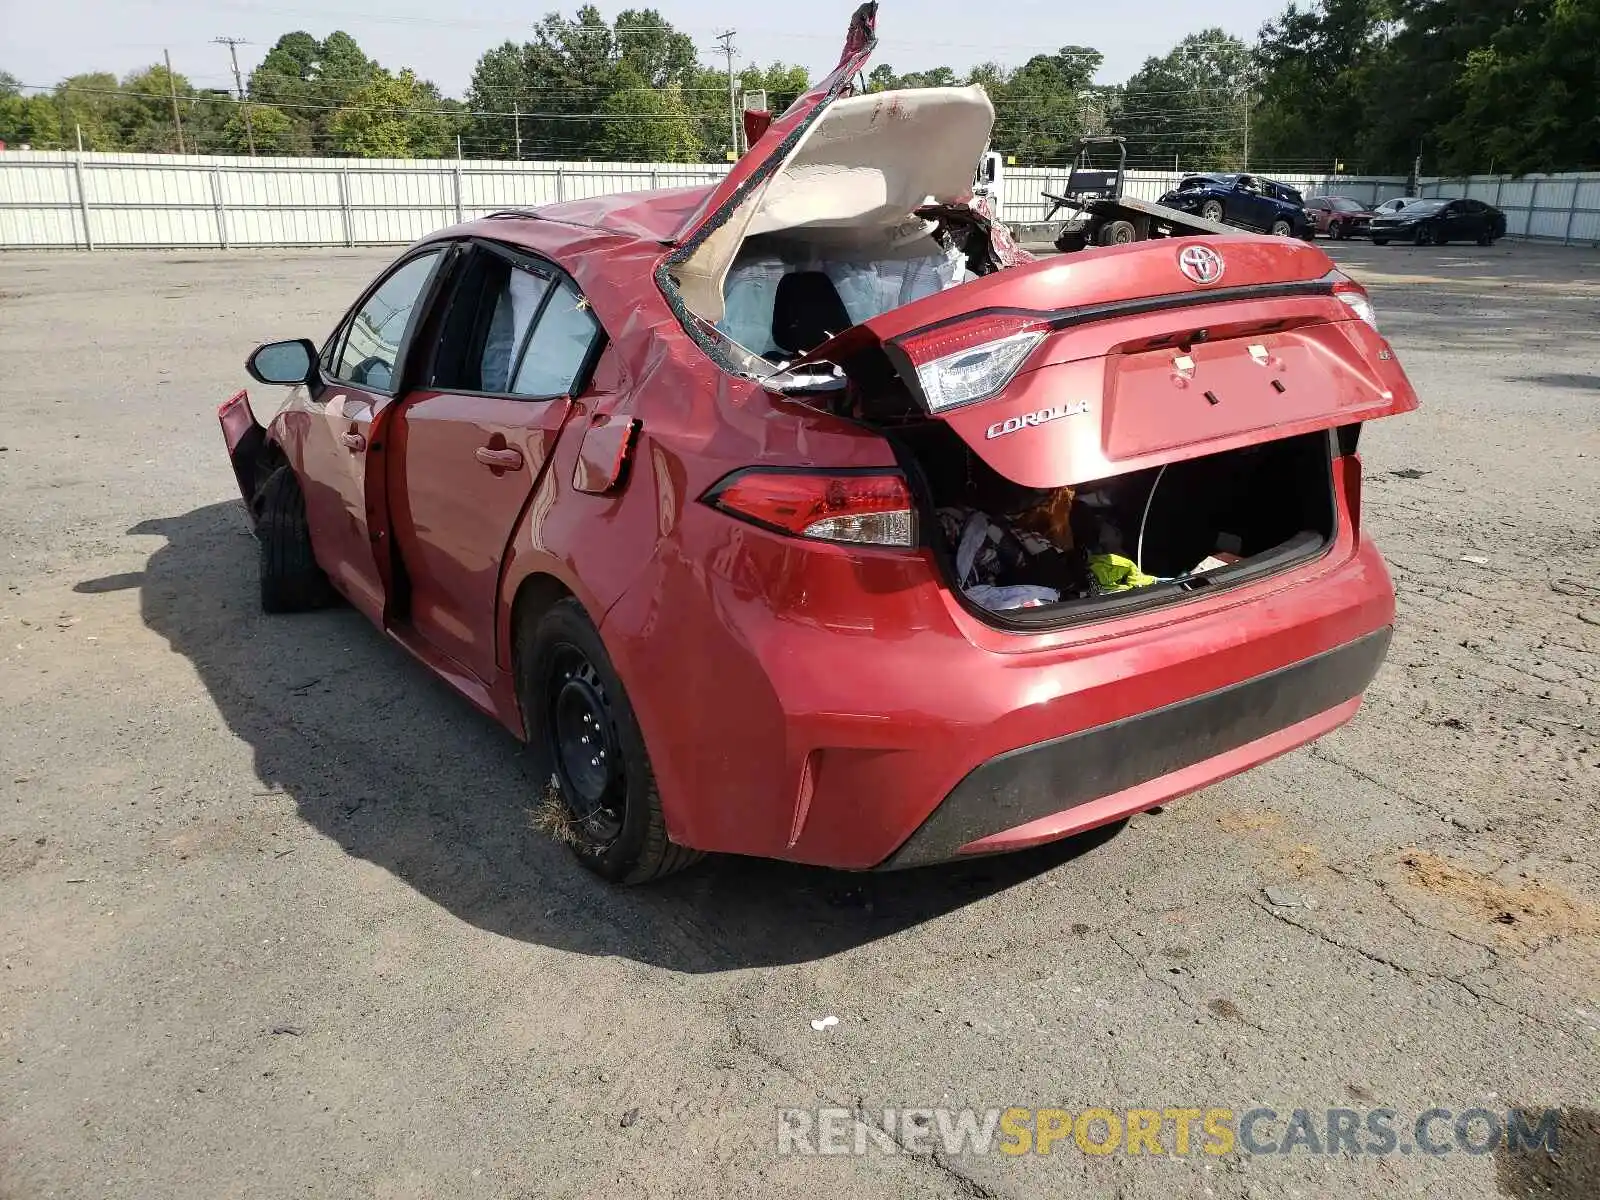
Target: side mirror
283,362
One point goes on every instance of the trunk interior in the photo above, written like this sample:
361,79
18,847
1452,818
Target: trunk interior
1035,558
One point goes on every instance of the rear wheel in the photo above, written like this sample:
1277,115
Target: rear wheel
1211,210
586,743
291,581
1486,238
1118,233
1281,229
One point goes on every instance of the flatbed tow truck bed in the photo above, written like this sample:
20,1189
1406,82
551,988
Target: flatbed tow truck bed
1104,216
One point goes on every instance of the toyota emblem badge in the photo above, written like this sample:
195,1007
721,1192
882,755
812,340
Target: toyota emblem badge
1200,263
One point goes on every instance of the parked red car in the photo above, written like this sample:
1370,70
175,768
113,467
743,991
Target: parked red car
796,517
1338,217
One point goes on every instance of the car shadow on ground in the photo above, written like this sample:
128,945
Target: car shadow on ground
396,769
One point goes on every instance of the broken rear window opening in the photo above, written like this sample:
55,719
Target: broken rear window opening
1034,557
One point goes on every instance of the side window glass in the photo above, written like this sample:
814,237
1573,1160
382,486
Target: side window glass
371,344
516,303
559,347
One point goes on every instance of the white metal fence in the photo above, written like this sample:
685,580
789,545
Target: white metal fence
55,199
92,201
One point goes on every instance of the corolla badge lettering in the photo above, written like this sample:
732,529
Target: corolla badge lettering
1055,412
1200,263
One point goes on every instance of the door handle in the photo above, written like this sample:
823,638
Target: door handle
353,442
505,459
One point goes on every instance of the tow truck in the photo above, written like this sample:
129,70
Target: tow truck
1100,214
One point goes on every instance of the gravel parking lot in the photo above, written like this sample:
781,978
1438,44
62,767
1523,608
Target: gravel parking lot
272,920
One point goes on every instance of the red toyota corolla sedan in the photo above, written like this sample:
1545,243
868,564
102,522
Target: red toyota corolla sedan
804,516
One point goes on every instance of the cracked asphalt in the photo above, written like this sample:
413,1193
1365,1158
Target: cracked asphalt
272,920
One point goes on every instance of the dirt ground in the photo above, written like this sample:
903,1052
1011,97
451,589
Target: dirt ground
272,920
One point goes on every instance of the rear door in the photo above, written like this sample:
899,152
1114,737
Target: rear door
337,426
517,342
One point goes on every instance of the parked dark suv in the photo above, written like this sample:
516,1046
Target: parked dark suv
1247,201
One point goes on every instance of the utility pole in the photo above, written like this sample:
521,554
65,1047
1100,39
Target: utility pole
233,45
516,129
1245,165
726,38
172,86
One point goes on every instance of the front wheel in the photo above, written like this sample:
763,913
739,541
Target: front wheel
1425,236
1380,241
1281,229
587,748
1211,210
291,581
1336,231
1486,239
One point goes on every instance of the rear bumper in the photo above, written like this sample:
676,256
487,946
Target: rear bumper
822,705
1051,789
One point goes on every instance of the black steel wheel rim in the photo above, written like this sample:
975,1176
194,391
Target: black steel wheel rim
584,746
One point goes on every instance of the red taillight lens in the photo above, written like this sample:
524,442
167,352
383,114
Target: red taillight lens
970,360
1353,296
866,509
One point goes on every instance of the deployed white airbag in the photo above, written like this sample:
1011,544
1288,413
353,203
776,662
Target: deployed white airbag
855,175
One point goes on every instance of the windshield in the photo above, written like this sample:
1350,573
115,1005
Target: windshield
1425,206
1200,181
1344,205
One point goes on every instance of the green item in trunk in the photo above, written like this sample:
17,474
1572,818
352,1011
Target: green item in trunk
1117,574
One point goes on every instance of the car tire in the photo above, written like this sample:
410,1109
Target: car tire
1211,210
291,581
1486,239
1281,229
569,692
1425,236
1336,231
1380,241
1118,233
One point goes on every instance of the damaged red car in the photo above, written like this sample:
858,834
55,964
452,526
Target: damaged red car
805,516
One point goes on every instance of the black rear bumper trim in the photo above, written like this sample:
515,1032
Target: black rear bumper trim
1031,782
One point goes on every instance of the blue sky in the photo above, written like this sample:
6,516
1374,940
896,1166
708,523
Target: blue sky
43,40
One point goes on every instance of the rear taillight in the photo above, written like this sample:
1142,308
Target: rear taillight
971,360
1354,297
872,509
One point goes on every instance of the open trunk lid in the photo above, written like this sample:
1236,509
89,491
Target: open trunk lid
1091,365
837,166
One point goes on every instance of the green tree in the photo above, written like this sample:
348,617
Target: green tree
1530,97
88,104
649,124
29,121
557,90
1189,105
394,116
310,81
274,132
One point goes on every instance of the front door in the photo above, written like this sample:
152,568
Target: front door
1250,207
341,422
473,439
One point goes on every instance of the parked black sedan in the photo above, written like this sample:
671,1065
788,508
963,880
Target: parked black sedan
1435,222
